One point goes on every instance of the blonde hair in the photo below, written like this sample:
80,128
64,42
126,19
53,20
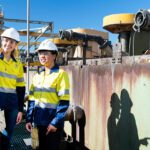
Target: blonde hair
16,53
1,50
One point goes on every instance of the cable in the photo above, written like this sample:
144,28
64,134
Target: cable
133,44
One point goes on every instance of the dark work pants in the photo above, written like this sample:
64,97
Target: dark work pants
10,118
50,141
4,143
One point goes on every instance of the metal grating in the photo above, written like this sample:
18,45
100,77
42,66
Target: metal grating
20,133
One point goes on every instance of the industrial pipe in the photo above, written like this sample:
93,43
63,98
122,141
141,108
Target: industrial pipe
76,114
142,20
71,35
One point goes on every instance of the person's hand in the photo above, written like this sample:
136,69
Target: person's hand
19,117
51,128
29,126
144,141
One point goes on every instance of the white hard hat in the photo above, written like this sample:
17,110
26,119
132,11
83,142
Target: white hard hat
47,45
11,33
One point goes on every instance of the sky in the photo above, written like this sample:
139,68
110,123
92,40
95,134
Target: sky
68,14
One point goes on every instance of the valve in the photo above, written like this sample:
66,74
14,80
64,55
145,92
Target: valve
142,20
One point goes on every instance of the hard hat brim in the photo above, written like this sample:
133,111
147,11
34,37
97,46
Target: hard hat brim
37,50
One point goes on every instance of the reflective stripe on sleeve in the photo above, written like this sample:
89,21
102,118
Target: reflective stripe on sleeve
63,92
20,79
31,92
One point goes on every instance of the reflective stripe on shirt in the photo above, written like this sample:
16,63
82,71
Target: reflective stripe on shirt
36,89
2,74
45,105
11,74
50,88
7,90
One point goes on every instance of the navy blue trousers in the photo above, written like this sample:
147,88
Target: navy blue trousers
10,118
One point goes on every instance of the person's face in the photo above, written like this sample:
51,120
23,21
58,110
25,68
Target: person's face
46,58
8,45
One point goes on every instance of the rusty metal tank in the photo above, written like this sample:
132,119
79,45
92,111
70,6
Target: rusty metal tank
114,92
114,95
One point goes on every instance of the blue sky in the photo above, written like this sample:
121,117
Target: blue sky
67,14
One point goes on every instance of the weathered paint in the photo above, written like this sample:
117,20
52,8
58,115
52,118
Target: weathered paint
92,87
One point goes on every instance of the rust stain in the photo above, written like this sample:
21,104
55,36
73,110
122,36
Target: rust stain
92,88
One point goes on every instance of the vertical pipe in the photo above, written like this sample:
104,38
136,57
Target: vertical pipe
28,43
84,51
124,40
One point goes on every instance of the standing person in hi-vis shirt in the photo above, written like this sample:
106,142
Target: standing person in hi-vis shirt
12,85
48,98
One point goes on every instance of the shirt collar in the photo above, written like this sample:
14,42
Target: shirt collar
2,57
53,69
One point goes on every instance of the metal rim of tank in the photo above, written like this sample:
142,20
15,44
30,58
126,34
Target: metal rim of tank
117,23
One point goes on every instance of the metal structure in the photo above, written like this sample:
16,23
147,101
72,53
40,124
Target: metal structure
142,20
113,93
45,31
112,121
71,35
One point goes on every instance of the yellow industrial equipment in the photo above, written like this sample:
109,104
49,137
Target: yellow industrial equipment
132,29
60,42
113,91
117,23
94,43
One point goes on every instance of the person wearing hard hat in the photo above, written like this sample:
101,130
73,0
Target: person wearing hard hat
48,98
12,85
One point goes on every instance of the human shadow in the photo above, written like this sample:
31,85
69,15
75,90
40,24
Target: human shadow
112,122
125,134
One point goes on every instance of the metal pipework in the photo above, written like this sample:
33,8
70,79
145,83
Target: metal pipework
142,20
71,35
124,40
76,114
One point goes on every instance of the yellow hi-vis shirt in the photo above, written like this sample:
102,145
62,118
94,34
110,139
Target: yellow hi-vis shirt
11,81
11,75
48,89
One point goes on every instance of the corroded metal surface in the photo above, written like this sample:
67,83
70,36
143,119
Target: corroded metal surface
92,87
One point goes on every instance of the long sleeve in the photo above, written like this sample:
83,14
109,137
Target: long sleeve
60,113
30,111
20,94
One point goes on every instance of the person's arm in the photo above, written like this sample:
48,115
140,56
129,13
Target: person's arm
64,96
29,115
20,94
20,91
20,87
60,113
30,109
